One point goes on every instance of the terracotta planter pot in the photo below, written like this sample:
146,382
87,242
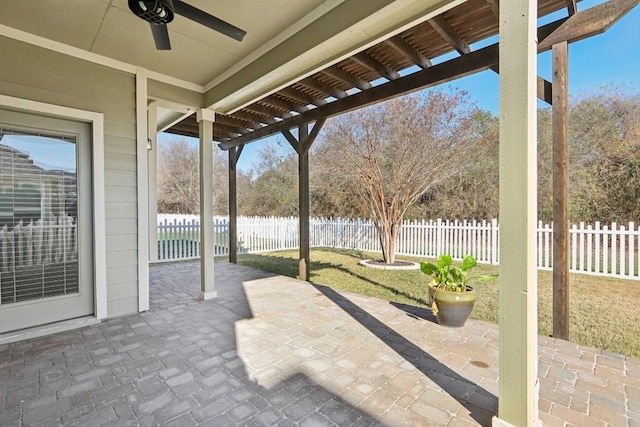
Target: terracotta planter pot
453,308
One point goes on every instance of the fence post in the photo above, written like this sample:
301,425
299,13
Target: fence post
438,237
632,249
614,247
494,241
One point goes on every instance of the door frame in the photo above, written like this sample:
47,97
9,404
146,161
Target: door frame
96,121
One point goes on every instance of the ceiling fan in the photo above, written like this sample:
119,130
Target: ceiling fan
160,12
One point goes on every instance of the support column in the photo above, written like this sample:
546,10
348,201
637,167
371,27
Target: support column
234,156
560,194
142,191
302,146
152,135
207,286
303,203
518,388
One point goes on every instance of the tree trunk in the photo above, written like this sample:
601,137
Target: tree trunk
388,234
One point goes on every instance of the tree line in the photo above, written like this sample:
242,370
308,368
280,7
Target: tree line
432,155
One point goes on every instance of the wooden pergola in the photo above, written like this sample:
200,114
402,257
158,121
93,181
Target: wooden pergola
406,62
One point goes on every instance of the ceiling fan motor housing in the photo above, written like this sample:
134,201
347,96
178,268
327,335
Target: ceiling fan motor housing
153,11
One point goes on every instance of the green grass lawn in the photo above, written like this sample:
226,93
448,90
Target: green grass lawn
603,311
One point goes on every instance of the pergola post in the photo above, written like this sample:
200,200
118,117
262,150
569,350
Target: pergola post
234,156
302,145
205,123
560,193
518,387
303,203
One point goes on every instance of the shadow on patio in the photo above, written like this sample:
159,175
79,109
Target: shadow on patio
271,350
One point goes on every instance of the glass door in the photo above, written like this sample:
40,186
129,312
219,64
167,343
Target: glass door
46,257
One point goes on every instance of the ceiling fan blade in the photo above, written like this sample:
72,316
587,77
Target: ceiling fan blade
202,17
161,36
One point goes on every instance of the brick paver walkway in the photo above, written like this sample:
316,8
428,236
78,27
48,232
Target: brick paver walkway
274,351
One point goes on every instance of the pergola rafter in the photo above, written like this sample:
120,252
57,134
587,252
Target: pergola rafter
327,90
443,28
410,52
301,97
373,64
253,117
349,79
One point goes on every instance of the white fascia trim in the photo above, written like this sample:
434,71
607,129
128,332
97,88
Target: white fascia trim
176,121
142,154
95,58
170,105
173,81
404,13
290,31
96,120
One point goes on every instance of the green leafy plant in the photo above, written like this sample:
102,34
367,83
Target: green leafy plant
445,275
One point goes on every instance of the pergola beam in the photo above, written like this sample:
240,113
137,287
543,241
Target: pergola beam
588,23
545,90
543,87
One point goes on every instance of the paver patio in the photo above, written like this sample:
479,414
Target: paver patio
271,350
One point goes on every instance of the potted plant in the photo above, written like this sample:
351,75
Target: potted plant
452,298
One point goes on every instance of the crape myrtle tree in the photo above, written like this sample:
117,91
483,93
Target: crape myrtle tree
394,152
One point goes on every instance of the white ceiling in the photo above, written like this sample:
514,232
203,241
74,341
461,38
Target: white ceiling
198,55
286,39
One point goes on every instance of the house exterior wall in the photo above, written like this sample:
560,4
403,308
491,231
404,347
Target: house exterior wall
38,74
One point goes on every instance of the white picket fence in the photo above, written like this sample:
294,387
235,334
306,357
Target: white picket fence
179,237
606,250
38,242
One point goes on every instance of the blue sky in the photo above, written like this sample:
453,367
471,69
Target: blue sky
48,153
611,58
